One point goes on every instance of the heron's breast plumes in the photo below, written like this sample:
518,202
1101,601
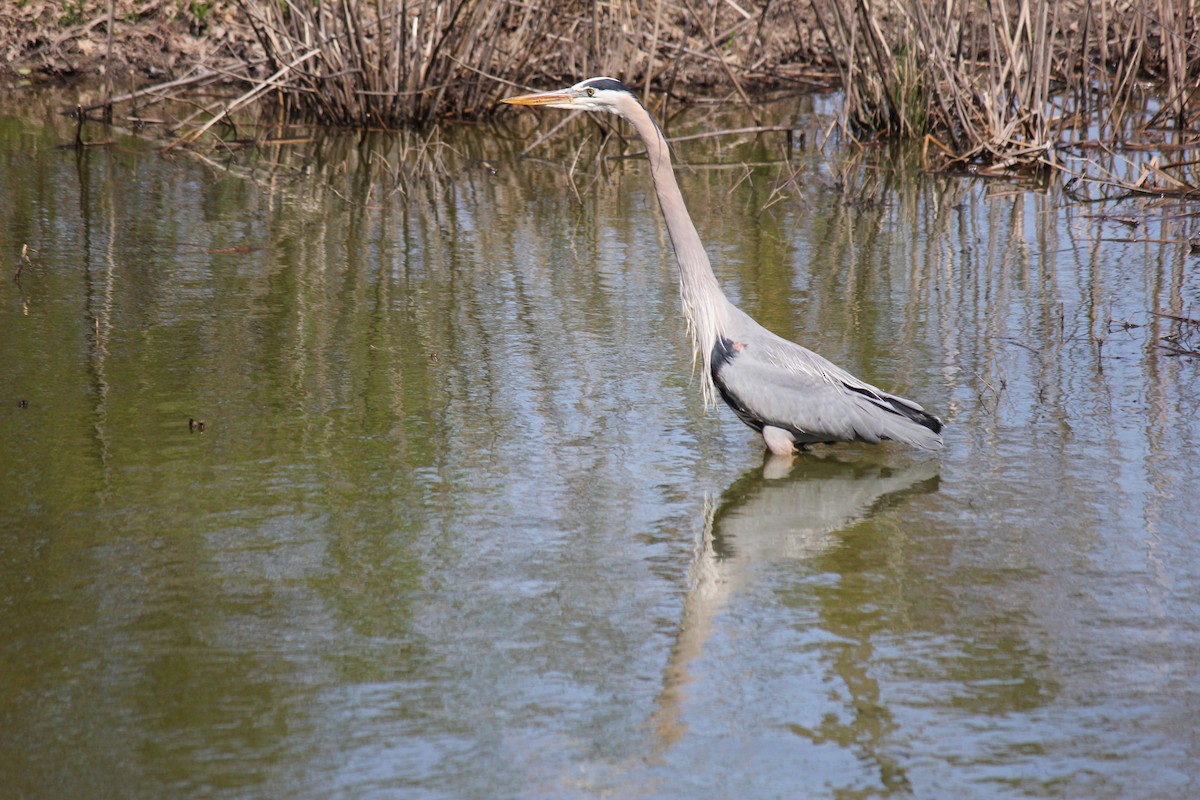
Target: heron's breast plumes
706,312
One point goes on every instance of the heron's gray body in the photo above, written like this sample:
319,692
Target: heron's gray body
770,382
788,393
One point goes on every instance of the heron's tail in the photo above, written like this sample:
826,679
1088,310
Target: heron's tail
912,424
905,421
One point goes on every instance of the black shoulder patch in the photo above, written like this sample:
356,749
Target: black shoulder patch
611,84
723,352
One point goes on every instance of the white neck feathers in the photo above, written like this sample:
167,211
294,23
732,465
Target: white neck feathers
704,304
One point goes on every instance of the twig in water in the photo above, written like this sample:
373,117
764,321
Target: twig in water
23,263
1177,318
250,95
996,393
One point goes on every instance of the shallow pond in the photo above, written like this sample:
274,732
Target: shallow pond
458,525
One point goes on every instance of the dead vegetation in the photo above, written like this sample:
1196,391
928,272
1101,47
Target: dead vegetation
369,63
1184,337
996,87
1005,84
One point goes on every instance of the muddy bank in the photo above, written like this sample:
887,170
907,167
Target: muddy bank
66,42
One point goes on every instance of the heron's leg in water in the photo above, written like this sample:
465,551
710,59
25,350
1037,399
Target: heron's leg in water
779,441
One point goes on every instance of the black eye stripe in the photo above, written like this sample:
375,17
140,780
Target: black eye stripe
610,84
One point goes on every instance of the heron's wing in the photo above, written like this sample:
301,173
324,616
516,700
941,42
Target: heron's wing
776,382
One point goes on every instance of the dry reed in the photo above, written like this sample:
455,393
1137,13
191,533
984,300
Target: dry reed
1001,84
990,84
388,64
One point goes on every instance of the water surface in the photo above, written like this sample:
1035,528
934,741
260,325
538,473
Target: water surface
458,524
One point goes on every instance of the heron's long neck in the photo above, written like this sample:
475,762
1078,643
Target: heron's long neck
704,304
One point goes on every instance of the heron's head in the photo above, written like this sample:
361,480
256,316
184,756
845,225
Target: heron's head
593,94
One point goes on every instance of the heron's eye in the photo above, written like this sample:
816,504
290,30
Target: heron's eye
591,92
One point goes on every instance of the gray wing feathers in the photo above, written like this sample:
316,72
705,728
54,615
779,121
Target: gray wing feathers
783,384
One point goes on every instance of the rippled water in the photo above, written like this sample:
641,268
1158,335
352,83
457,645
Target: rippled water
458,525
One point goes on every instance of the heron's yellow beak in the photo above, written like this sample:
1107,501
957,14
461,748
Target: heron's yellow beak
557,99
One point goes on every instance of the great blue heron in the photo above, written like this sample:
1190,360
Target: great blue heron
788,393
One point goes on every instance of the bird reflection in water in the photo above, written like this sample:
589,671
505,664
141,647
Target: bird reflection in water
783,511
